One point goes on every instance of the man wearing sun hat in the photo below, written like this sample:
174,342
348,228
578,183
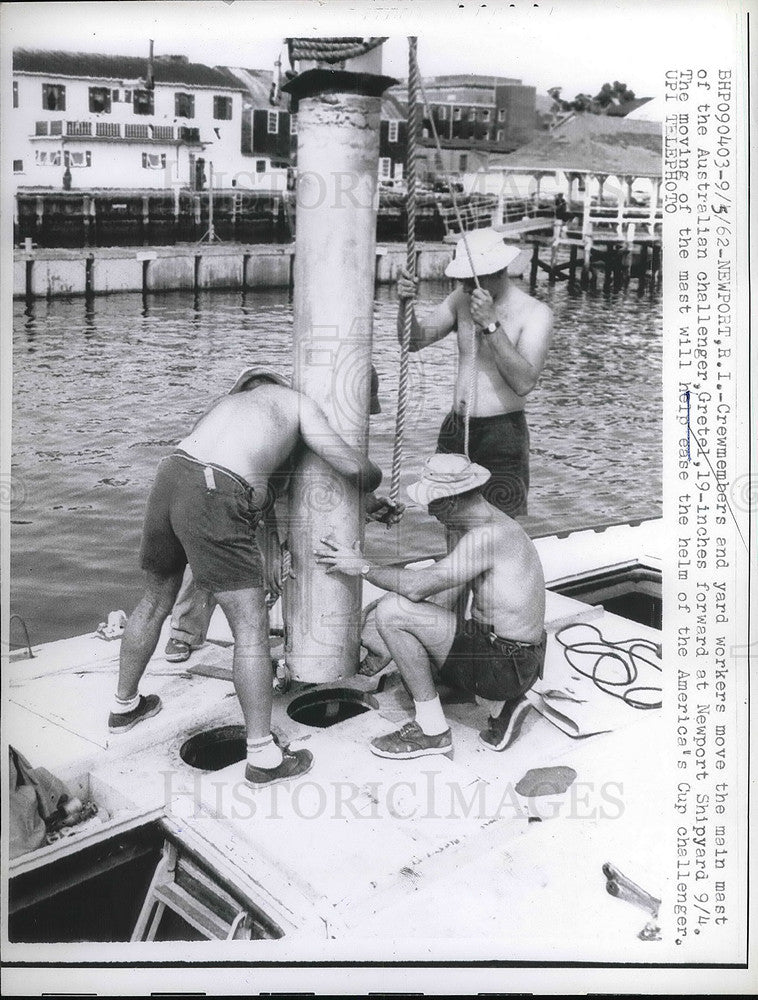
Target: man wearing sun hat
498,653
505,334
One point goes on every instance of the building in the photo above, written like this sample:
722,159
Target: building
269,129
103,121
474,118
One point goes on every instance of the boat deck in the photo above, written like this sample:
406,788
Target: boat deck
368,848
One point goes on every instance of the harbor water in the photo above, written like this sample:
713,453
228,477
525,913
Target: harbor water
104,388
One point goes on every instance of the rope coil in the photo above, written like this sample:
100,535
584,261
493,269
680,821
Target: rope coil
330,50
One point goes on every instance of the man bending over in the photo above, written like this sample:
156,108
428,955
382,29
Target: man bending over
207,498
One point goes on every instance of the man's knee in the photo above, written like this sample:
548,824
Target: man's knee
160,594
395,611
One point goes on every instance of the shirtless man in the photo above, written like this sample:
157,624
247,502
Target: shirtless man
206,501
506,334
499,652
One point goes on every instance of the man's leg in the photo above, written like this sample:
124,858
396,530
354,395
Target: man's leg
253,683
418,636
138,643
189,620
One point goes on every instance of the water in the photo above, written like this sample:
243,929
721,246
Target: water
102,391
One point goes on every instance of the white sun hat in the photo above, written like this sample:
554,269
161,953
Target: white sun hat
446,475
254,372
488,253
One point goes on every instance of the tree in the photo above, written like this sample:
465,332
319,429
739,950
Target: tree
609,95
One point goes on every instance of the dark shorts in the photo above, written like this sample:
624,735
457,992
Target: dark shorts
205,515
500,444
496,669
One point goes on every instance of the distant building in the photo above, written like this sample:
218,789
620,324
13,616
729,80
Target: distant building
112,121
474,117
268,135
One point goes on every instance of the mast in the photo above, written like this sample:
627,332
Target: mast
335,257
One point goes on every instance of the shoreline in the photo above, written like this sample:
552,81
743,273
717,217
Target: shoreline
58,272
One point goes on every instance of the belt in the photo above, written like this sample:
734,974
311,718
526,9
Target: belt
494,637
209,469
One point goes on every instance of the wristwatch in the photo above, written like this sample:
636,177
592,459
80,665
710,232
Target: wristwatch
365,569
491,327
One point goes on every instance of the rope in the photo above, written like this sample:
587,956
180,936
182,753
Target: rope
330,50
402,389
456,209
624,653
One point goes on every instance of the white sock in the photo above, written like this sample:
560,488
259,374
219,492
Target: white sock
264,752
430,716
121,706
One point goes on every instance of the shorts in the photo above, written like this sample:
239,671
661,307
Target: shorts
501,445
493,668
206,515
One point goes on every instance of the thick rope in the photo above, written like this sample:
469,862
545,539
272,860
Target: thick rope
402,390
451,189
330,50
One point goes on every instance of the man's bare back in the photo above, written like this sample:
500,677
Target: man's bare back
253,434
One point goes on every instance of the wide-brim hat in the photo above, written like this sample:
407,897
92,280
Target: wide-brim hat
486,251
447,475
247,375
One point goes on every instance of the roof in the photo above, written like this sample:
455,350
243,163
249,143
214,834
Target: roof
594,144
94,66
257,86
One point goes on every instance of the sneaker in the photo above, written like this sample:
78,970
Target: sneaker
177,651
501,731
122,722
294,763
411,741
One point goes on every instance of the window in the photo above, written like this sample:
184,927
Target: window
472,114
500,135
56,127
100,100
78,158
398,171
47,157
485,114
456,114
184,105
437,161
385,167
18,166
142,102
41,128
293,124
127,96
15,93
273,122
222,108
115,96
501,115
154,161
260,166
442,113
53,97
393,131
463,162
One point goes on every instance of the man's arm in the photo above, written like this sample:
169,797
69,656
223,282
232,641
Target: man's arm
325,442
435,326
520,365
471,557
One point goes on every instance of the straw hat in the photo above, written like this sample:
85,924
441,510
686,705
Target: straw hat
446,476
488,253
257,371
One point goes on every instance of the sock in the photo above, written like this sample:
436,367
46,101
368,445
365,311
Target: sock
123,705
430,717
263,752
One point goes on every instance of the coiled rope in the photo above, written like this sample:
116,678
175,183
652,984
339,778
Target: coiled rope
415,85
330,50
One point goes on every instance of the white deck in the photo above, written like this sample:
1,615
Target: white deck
370,848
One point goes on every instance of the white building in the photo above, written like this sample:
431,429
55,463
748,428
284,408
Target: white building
117,122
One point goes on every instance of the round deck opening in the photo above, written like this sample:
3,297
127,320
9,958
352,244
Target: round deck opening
328,707
215,749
